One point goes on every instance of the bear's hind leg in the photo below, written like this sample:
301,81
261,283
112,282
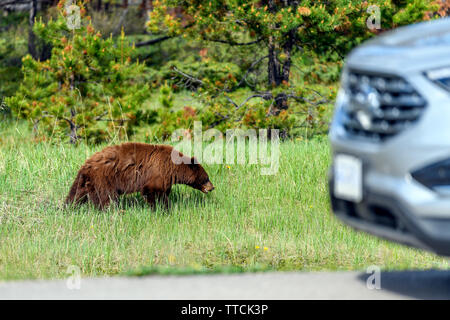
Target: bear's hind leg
150,197
78,192
100,198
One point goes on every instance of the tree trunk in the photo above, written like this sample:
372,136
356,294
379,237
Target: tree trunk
273,65
279,71
73,133
98,6
37,48
144,8
31,36
46,52
73,128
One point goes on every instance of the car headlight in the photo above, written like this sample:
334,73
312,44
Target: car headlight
440,76
342,98
342,102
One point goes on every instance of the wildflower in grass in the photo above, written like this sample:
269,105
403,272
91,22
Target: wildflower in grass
264,248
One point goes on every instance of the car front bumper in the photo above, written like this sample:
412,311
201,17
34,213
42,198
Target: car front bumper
387,217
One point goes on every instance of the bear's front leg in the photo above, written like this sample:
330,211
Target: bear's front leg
157,196
150,198
163,198
152,194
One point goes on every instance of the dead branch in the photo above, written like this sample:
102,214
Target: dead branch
153,41
233,43
253,65
188,76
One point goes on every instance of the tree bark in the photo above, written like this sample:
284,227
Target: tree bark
31,36
73,133
273,65
143,8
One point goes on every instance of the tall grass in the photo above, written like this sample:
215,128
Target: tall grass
250,221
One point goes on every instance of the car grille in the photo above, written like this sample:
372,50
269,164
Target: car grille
380,106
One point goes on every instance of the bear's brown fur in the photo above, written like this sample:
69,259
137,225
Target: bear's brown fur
135,167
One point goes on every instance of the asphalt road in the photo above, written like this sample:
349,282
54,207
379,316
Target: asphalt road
273,285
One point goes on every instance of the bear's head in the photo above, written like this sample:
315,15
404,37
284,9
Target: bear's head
200,179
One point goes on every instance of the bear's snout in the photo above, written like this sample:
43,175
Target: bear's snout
207,187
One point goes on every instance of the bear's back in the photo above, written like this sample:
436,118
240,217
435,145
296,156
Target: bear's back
130,154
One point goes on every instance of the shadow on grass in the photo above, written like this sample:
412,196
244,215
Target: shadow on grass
190,199
179,271
418,284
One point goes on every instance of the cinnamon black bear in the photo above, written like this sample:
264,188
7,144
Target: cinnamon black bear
136,167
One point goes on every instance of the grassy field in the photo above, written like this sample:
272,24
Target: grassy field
250,222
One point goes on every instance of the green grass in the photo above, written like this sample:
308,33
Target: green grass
250,222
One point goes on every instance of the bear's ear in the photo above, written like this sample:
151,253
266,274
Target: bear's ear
193,164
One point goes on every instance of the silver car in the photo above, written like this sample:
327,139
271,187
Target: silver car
390,137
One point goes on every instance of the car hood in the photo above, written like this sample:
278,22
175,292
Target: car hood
416,47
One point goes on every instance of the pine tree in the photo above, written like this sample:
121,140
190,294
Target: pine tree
89,89
281,27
